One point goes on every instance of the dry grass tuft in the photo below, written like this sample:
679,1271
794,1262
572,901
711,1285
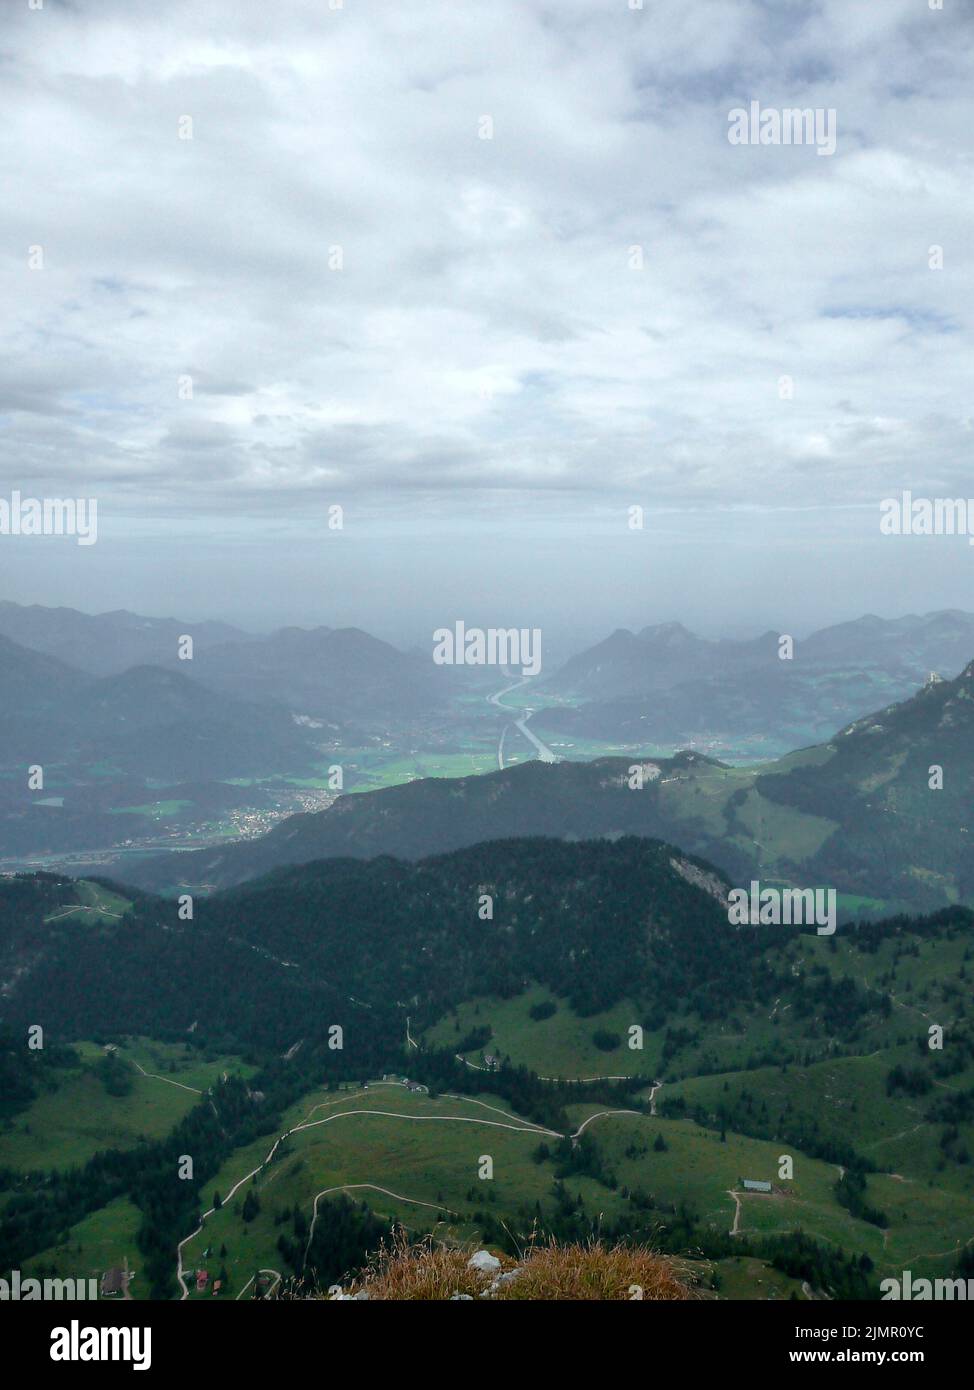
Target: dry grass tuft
592,1272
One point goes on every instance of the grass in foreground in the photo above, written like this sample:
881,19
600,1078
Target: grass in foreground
592,1272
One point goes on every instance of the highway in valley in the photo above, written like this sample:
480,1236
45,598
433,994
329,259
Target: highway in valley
543,751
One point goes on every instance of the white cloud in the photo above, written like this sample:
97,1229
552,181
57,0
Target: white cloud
485,333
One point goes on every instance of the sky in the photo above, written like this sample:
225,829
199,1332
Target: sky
486,275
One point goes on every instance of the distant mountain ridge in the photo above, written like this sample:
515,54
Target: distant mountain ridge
667,654
104,644
858,813
331,673
628,663
665,686
337,673
30,680
148,720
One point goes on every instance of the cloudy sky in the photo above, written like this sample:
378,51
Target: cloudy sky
339,292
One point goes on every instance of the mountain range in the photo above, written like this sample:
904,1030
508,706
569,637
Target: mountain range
148,721
335,674
667,686
104,644
596,922
661,687
287,704
864,812
628,664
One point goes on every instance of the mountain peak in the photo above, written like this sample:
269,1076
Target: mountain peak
667,632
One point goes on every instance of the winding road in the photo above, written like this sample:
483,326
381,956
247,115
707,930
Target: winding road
569,1080
598,1116
168,1079
354,1187
509,1122
544,752
519,1126
277,1279
735,1230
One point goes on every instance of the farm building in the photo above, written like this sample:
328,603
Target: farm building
112,1282
755,1185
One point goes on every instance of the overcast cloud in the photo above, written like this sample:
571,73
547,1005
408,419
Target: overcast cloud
485,361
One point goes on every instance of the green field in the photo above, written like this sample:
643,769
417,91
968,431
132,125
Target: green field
97,904
563,1046
418,1159
559,1046
701,1169
104,1239
427,1150
744,1278
155,810
423,1150
373,770
809,1086
847,1101
368,768
77,1117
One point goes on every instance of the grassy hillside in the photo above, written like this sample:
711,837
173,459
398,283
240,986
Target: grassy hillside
757,1045
92,1106
547,1044
103,1240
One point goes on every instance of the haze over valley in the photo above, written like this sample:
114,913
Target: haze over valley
487,673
